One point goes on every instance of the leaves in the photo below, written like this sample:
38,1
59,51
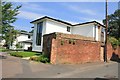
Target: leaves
114,24
9,13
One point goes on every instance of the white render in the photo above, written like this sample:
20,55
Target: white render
50,26
20,38
2,42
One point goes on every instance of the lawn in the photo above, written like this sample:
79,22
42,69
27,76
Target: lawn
3,49
23,54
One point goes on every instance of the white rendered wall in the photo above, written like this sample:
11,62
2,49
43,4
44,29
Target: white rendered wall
85,30
26,45
52,26
35,47
21,37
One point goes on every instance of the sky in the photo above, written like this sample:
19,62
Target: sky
72,12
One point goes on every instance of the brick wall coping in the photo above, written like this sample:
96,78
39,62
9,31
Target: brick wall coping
70,36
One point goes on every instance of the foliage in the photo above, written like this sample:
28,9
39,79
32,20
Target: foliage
114,24
18,45
41,58
71,41
31,31
114,41
22,54
23,31
9,13
62,42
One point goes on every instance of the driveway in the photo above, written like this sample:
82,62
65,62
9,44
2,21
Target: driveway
14,67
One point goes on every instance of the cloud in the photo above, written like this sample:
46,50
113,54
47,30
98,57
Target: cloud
80,10
32,6
29,15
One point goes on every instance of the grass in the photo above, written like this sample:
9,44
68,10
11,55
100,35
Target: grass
3,50
22,54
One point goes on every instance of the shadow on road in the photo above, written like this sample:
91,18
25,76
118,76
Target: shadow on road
106,79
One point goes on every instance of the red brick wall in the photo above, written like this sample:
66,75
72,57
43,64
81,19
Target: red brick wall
78,51
111,51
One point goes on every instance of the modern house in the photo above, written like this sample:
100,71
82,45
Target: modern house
24,39
47,25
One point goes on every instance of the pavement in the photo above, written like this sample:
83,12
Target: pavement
14,67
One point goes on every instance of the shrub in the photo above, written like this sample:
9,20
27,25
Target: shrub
113,41
41,58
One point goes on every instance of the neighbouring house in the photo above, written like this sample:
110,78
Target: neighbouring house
2,41
46,25
23,39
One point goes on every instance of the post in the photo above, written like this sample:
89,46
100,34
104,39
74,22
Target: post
105,52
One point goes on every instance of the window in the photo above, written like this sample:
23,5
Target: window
39,33
68,29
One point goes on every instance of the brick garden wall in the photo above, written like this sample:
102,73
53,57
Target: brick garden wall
67,48
113,53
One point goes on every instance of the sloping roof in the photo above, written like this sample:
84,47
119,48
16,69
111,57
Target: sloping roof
46,17
89,23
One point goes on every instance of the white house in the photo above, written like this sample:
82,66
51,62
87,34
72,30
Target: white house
2,41
24,39
46,25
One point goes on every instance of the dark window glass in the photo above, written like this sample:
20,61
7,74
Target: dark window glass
68,29
39,33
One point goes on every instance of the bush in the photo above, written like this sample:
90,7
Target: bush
41,58
114,41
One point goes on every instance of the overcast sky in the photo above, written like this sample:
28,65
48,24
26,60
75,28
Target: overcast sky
77,12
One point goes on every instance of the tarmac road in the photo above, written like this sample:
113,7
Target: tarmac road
13,67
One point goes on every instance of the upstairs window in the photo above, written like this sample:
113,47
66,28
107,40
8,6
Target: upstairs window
39,33
68,29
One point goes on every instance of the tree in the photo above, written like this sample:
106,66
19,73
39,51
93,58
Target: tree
9,13
31,31
114,24
23,31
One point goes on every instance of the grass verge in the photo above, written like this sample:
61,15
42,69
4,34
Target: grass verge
22,54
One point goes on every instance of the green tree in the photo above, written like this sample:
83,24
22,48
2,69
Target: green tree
114,24
9,13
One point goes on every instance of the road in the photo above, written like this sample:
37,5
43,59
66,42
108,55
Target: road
13,67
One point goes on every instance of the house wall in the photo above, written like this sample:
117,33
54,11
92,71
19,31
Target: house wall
49,26
2,42
34,46
85,30
21,37
26,45
52,26
61,51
